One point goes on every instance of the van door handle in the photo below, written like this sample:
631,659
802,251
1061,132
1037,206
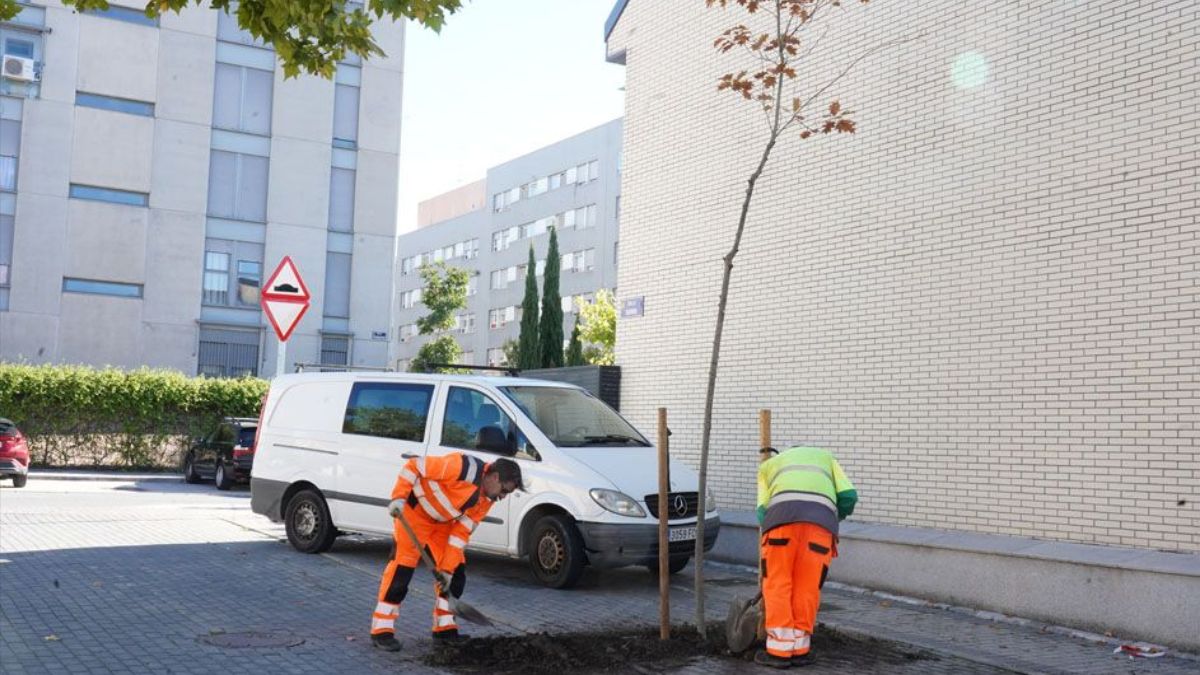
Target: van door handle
407,455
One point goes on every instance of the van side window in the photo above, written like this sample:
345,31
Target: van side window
473,421
388,409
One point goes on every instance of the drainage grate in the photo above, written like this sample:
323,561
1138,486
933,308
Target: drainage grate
251,640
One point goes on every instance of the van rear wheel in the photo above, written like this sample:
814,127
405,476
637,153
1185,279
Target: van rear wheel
309,527
556,551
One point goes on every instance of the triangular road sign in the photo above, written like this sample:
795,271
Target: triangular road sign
284,315
285,283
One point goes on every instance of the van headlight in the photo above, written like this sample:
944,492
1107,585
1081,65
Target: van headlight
710,501
617,502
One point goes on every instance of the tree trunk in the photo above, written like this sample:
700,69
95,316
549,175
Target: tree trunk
701,625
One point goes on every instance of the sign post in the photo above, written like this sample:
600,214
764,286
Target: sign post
285,299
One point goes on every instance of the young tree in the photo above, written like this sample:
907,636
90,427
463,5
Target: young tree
550,331
780,40
309,36
599,329
528,355
444,294
512,352
575,348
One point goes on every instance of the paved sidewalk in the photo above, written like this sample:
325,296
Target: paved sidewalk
111,578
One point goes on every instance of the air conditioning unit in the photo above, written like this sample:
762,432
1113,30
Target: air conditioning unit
21,69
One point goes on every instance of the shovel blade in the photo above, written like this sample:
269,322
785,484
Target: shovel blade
468,613
741,625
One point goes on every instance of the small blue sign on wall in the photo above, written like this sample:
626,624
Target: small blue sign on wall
633,307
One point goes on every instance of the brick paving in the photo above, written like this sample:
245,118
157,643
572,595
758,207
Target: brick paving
118,577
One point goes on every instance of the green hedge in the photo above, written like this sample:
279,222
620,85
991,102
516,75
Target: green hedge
80,416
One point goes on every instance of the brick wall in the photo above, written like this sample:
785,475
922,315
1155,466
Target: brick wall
985,302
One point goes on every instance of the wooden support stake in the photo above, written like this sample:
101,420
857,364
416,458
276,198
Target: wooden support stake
664,554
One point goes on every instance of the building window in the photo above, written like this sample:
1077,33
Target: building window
216,278
410,299
616,247
122,105
500,317
237,186
242,99
7,228
467,358
408,331
495,357
472,286
341,200
335,350
337,285
26,46
10,143
93,287
464,323
345,116
126,14
110,195
249,280
227,353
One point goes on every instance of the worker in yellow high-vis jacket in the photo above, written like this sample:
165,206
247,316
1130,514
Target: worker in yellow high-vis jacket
802,495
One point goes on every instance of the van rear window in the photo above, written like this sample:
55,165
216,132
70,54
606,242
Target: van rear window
388,409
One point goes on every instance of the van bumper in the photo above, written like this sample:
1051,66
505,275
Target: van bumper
266,497
616,545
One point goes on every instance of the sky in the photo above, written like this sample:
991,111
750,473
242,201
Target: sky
503,78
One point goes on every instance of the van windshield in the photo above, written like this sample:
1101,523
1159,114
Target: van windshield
573,418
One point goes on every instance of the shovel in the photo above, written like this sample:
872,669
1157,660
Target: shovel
460,608
744,624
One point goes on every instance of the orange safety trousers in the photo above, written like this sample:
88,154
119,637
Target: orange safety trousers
795,560
393,587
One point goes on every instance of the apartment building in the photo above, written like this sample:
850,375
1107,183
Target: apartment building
153,171
487,228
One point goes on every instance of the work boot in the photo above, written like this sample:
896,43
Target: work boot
801,660
765,658
448,636
385,641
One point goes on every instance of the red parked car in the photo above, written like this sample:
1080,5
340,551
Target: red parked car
14,454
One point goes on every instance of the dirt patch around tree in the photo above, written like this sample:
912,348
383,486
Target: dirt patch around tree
641,651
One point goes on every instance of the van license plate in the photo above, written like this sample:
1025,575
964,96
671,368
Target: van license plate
681,534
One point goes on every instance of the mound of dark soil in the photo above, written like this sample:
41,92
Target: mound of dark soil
640,650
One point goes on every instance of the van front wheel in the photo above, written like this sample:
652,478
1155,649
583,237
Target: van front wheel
556,551
309,526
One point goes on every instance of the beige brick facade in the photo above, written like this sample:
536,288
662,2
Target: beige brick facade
985,301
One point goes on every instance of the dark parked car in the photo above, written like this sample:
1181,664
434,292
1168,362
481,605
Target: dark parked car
224,456
14,454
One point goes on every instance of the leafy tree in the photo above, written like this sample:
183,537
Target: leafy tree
776,38
441,349
511,350
528,356
575,349
550,331
599,329
309,36
444,294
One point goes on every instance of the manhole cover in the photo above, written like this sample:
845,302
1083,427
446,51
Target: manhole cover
251,640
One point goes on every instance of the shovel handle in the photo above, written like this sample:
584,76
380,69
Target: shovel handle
426,554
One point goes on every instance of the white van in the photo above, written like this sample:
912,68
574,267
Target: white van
330,446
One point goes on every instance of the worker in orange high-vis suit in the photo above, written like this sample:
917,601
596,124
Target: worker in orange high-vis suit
443,499
802,495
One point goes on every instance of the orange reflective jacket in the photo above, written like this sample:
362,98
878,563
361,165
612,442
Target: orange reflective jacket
446,490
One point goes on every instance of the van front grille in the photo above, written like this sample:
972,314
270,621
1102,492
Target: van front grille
679,505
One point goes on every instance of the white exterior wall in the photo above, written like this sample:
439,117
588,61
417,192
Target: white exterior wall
984,302
162,247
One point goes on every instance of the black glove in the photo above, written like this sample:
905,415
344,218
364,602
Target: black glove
458,581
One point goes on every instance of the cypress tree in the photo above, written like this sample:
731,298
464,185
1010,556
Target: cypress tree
528,356
575,349
550,331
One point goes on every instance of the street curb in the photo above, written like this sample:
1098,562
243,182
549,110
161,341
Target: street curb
107,477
